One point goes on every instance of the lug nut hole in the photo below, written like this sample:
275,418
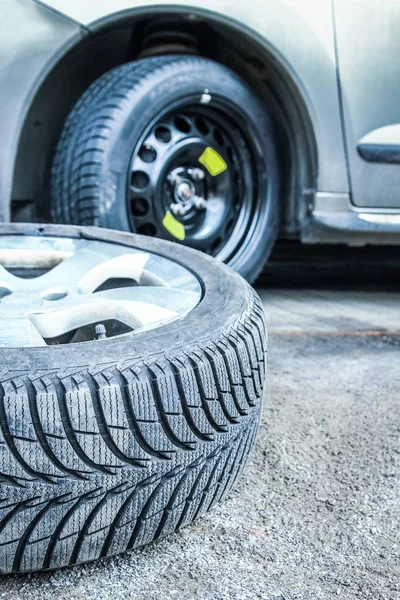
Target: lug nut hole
4,292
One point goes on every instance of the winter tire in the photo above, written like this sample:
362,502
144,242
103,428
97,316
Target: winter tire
177,147
109,443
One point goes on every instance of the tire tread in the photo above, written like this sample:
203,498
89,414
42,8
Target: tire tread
123,454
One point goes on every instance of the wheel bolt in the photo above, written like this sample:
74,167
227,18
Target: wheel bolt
196,174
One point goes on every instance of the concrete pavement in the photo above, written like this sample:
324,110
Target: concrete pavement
317,512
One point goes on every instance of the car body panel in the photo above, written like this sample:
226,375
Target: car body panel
299,32
36,35
368,45
335,220
31,36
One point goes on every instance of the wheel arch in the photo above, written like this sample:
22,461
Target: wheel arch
124,36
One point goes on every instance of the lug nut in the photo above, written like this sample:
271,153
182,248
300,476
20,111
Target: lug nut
196,174
174,179
177,209
199,203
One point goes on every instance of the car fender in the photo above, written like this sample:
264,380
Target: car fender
298,33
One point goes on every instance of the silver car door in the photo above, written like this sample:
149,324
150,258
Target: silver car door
368,49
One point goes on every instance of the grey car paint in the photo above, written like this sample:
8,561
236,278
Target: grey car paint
300,33
31,36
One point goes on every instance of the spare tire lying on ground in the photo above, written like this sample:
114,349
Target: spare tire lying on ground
131,383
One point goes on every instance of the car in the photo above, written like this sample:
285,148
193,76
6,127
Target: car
219,125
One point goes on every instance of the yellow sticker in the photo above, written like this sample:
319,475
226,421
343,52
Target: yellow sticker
173,226
213,162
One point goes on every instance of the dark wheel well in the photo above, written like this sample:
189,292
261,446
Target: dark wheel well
131,37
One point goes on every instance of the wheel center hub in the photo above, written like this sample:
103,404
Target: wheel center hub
184,192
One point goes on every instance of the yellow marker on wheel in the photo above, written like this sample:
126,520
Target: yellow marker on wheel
174,227
213,162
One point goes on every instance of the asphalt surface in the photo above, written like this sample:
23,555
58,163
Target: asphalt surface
316,513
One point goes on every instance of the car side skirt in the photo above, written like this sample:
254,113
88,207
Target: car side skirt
334,219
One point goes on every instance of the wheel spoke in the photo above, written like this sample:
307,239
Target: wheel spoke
8,280
19,332
91,266
136,307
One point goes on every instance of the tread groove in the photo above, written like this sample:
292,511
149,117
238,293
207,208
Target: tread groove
31,393
69,431
103,427
155,388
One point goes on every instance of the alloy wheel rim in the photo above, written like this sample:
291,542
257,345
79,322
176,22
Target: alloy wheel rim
63,290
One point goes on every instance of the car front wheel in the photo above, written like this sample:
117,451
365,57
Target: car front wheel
176,147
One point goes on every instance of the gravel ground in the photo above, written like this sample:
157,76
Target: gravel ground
317,512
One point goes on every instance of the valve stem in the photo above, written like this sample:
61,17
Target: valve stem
100,331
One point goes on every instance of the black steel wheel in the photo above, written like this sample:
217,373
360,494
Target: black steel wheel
190,179
174,147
